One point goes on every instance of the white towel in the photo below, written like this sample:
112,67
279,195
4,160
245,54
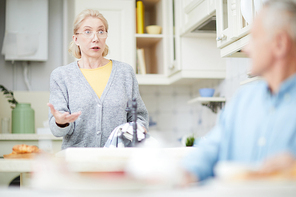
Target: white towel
115,139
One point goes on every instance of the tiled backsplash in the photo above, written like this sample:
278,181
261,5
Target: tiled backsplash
237,70
171,115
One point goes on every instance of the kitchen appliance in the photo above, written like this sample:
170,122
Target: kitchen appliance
26,30
208,26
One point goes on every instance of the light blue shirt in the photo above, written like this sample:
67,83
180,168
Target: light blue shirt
253,126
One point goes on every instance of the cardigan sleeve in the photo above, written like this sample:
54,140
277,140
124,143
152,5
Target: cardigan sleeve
142,113
59,99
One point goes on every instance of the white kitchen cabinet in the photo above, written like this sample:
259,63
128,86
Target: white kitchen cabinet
194,14
243,27
232,27
225,22
120,16
155,45
197,54
173,38
211,6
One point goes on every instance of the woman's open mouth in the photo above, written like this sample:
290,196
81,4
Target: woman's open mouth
95,48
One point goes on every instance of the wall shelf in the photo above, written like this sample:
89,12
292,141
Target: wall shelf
28,137
206,100
249,80
149,35
211,102
147,40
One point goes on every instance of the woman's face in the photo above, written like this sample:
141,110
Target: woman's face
94,45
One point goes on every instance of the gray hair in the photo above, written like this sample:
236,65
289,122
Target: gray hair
281,14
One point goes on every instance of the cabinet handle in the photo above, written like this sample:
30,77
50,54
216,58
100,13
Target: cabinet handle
222,37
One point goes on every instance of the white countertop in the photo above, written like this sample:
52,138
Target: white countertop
16,165
29,137
216,189
106,160
92,159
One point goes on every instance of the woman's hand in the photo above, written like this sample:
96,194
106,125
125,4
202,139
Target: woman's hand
63,118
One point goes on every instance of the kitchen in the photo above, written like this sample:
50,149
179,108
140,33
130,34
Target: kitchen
179,75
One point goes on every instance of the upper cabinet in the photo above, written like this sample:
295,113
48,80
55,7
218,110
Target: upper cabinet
234,18
155,53
224,22
198,16
180,54
199,57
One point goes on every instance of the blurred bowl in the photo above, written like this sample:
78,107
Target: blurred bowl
206,92
153,29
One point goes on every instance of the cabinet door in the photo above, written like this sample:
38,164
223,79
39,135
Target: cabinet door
211,6
243,27
173,36
120,15
225,22
185,3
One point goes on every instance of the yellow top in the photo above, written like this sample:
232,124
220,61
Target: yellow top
98,77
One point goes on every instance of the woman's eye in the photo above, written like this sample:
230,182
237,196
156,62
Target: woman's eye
87,32
101,32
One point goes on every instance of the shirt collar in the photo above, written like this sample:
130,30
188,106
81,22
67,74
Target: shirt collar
285,87
288,85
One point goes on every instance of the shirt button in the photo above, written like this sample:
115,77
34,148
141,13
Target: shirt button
287,97
262,141
98,132
99,105
272,109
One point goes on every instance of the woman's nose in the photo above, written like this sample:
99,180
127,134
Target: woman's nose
95,37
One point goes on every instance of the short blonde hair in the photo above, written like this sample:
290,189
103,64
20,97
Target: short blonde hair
73,48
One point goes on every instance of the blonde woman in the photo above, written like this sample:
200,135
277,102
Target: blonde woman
88,97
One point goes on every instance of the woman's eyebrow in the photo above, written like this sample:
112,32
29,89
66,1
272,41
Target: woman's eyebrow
87,26
101,26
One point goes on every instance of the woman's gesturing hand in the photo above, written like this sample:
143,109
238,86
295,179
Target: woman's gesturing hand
63,118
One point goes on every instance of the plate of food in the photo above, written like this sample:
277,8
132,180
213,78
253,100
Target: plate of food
23,151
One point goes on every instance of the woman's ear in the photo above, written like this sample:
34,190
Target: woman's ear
74,37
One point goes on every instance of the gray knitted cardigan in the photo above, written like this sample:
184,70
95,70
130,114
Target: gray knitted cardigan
70,92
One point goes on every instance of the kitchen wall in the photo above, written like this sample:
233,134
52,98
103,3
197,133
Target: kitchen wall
38,101
167,105
11,75
237,70
170,115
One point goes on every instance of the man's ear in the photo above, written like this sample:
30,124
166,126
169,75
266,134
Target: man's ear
282,44
74,37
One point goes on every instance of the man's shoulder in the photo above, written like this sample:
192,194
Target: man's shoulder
251,89
247,94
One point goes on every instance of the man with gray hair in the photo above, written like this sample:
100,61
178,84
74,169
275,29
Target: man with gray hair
258,126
